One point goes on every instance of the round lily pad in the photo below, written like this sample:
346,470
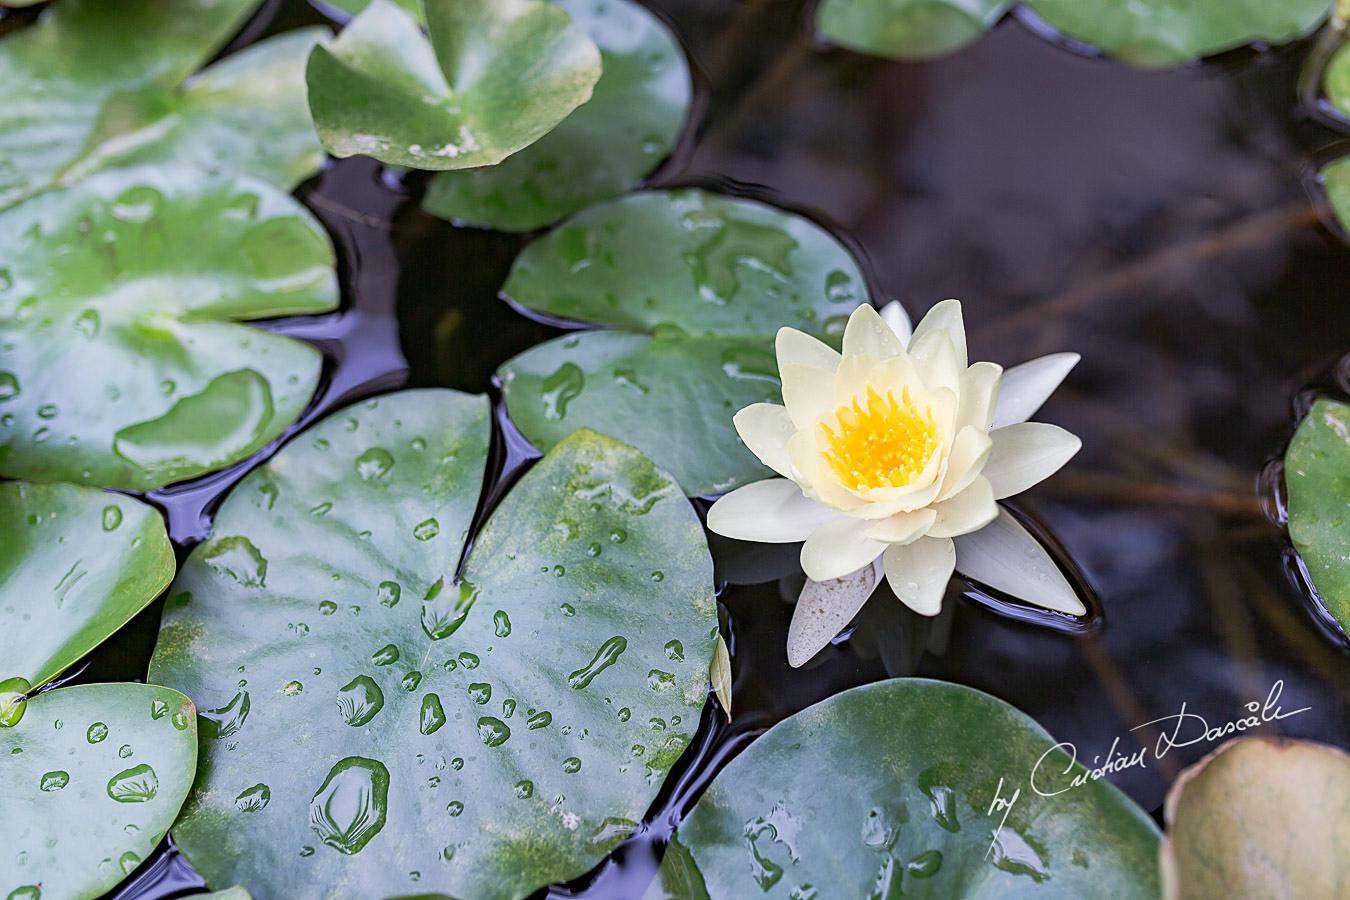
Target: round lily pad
1317,473
906,29
375,726
489,78
1167,32
600,151
93,84
92,778
697,285
889,790
121,360
1259,817
75,565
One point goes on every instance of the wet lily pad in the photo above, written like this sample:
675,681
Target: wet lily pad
124,365
1317,472
493,77
1259,817
93,85
886,791
373,724
697,285
1167,32
907,29
600,151
92,778
75,565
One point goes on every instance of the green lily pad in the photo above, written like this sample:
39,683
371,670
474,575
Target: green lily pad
92,778
375,727
1167,32
121,360
698,284
888,790
1317,473
907,29
600,151
93,85
1259,817
352,7
493,78
75,565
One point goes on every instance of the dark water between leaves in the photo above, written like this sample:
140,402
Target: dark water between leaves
1159,223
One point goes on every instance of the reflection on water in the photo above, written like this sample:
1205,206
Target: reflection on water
1155,222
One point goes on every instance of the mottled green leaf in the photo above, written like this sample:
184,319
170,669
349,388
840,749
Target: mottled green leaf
123,365
489,78
699,284
381,729
1167,32
888,791
75,565
92,776
906,29
94,84
1317,472
1259,817
600,151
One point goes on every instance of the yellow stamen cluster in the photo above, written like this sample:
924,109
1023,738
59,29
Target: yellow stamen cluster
884,444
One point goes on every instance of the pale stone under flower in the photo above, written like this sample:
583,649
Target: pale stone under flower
893,456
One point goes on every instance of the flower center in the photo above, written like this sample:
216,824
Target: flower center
882,444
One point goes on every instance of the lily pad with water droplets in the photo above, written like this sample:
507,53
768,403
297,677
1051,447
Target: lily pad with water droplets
416,734
75,565
907,29
94,85
489,78
1259,817
697,285
1317,473
601,150
122,360
1168,32
92,778
888,790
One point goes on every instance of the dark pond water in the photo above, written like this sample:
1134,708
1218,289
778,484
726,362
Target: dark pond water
1160,223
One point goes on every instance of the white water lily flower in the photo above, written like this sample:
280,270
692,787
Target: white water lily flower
893,455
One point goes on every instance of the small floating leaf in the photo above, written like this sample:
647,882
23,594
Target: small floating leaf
69,829
696,286
720,675
896,781
490,78
906,29
170,386
503,721
1317,473
67,580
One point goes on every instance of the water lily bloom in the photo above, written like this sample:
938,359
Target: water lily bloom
893,456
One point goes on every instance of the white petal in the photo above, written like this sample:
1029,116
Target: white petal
1006,557
979,395
1027,386
772,511
795,346
894,315
868,333
766,428
823,609
902,528
970,451
1026,454
837,548
918,573
968,511
945,316
934,357
807,392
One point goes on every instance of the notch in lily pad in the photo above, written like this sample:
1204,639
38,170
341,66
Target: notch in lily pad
486,79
